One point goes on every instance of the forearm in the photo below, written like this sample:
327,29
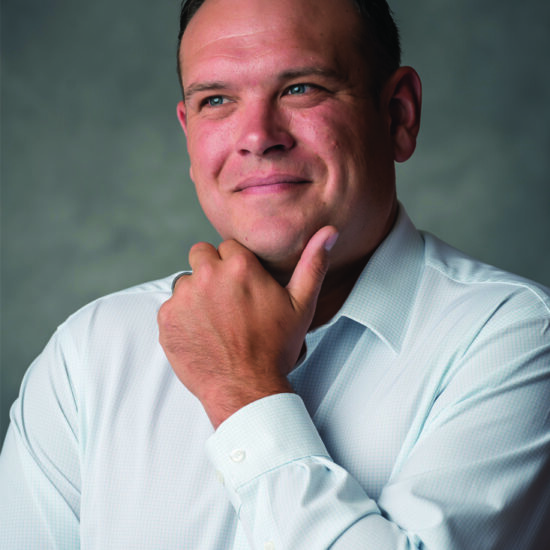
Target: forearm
287,490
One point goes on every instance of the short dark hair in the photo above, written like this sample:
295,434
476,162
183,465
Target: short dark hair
380,36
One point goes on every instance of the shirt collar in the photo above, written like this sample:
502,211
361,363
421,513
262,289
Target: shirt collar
383,297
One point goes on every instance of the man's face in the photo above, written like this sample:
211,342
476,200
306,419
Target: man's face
283,134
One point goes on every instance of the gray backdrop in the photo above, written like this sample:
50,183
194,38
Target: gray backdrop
95,189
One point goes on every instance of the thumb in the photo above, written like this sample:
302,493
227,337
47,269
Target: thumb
305,284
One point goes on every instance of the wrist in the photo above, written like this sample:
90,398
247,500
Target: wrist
221,403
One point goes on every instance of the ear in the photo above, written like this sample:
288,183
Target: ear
181,116
183,123
403,93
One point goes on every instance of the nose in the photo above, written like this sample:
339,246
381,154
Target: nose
263,130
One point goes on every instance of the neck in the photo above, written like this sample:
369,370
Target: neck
336,288
340,281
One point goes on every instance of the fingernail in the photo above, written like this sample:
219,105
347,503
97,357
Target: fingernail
331,241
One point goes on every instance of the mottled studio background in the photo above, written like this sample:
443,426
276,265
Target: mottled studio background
95,194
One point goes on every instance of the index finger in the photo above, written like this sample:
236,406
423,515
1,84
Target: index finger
201,253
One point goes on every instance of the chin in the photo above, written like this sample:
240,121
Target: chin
280,262
277,248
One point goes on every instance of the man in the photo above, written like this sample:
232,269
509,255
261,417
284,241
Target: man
356,384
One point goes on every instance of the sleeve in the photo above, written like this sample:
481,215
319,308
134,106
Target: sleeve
39,463
287,491
476,476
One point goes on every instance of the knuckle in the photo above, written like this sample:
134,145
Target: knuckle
164,315
240,265
170,329
318,271
198,247
225,247
204,273
318,267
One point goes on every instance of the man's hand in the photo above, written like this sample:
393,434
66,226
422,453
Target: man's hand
231,332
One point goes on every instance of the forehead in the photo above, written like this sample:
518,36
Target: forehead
246,31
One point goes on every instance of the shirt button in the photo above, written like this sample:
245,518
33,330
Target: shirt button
269,546
220,478
238,455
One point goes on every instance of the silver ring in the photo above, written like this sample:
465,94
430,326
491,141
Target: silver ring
177,277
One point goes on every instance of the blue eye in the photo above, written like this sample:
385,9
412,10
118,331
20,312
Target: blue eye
297,89
214,101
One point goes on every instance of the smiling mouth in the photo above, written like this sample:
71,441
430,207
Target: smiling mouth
270,184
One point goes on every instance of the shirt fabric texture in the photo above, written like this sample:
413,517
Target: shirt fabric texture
421,420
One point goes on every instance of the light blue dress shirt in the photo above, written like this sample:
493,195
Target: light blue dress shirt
421,419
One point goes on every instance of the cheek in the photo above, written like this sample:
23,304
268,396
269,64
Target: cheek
331,133
207,150
206,153
214,208
317,128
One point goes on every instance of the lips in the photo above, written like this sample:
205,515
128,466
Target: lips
274,181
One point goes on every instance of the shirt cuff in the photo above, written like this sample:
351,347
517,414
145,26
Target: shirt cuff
262,436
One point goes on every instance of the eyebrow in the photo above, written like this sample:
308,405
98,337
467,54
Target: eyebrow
192,89
315,70
290,74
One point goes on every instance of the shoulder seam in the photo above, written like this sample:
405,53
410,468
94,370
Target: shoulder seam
524,284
